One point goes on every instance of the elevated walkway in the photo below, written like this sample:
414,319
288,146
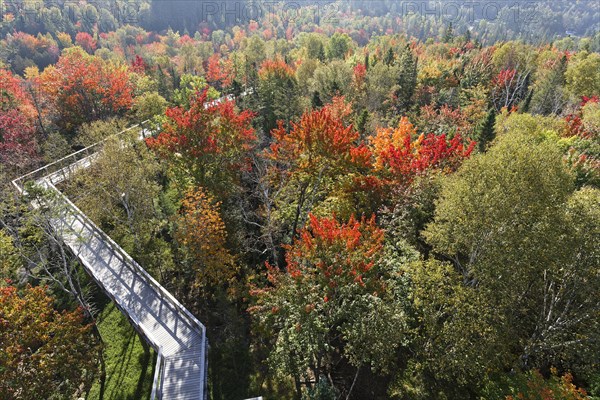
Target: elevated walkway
177,336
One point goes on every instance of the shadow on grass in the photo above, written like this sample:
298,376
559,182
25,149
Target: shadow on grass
127,358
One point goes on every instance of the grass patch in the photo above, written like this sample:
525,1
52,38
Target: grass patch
129,368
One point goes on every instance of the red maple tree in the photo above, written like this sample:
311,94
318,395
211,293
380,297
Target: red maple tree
209,140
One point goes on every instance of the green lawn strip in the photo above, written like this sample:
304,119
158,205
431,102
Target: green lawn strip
129,369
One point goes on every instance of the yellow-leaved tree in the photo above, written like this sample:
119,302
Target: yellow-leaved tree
201,231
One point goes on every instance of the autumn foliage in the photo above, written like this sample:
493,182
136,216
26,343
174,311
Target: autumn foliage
320,136
401,154
86,41
208,140
276,67
335,253
201,230
18,143
219,72
86,88
555,388
43,351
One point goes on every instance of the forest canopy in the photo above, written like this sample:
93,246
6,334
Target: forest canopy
359,200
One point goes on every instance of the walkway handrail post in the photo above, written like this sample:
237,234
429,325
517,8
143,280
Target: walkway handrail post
157,381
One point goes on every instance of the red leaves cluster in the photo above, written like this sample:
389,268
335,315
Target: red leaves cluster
402,155
86,41
319,135
431,152
360,74
219,72
334,253
206,129
504,78
575,123
18,145
138,65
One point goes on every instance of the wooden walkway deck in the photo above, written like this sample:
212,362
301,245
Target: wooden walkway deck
177,336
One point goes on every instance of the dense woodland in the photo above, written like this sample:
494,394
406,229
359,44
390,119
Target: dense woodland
392,205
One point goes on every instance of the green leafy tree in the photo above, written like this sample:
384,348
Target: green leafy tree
278,94
339,45
332,79
9,260
406,81
510,224
548,89
147,106
119,189
583,75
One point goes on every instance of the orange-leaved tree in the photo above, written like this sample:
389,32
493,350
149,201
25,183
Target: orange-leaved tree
401,154
85,88
45,352
315,162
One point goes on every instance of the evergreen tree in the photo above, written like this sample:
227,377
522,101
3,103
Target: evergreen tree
487,132
449,34
361,122
406,81
389,57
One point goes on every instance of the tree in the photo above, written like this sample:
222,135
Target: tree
335,303
207,142
448,34
9,260
148,106
389,57
219,73
548,97
319,158
509,87
118,191
381,79
200,229
315,48
94,132
333,80
85,41
400,154
46,353
278,94
338,46
582,76
18,141
554,388
86,88
190,86
510,224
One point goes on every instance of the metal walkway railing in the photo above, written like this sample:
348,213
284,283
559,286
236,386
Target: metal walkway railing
177,336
